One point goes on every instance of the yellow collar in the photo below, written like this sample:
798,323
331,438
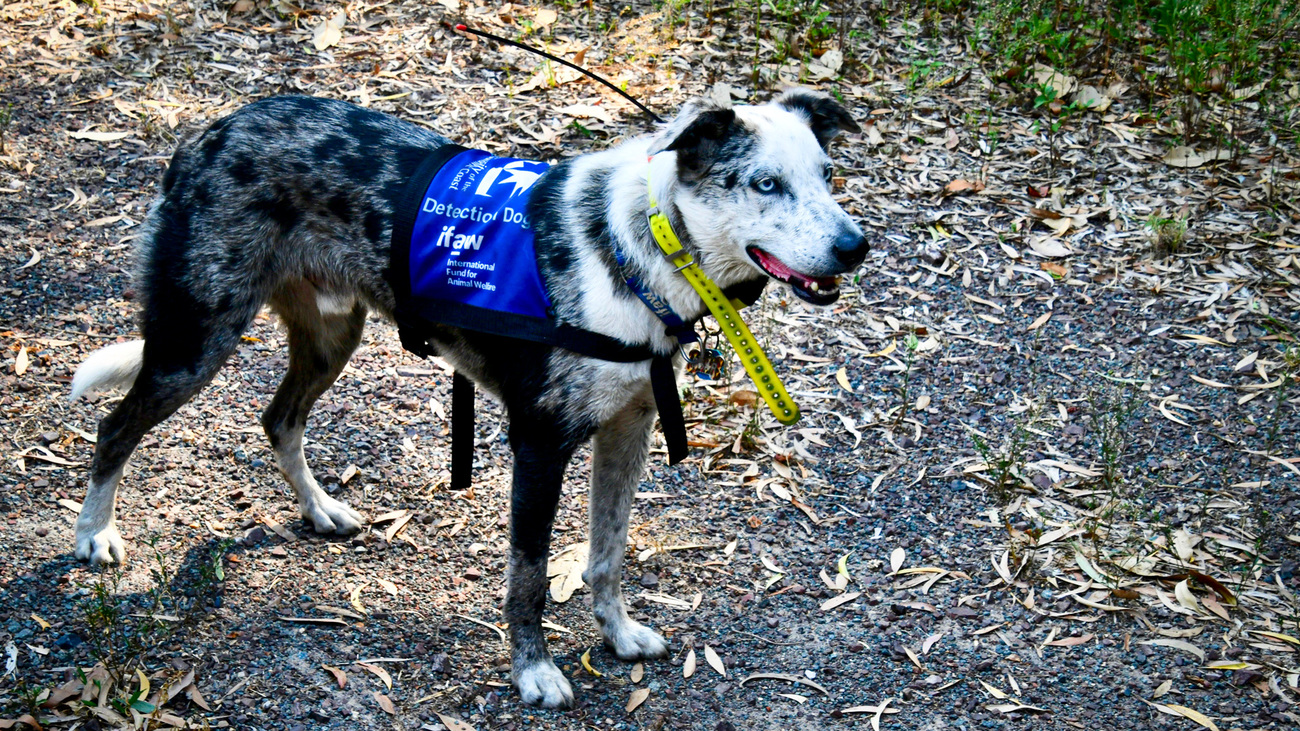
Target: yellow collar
756,364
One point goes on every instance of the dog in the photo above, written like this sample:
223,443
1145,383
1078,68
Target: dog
290,201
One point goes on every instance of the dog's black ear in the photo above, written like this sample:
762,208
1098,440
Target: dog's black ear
824,115
697,135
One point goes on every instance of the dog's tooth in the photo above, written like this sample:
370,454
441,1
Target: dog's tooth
814,287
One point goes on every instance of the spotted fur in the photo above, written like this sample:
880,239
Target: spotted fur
290,202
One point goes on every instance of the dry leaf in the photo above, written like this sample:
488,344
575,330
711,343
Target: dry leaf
1196,716
1185,157
1184,595
638,672
329,32
20,363
1071,641
842,599
544,17
340,677
842,378
1162,689
1093,99
565,571
961,186
586,664
380,673
637,698
714,661
993,691
688,667
1179,645
588,111
386,703
1060,83
99,136
1049,248
896,559
1183,544
453,724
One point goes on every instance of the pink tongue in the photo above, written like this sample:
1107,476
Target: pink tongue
775,267
778,269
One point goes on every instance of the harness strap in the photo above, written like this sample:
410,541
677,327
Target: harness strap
663,383
462,431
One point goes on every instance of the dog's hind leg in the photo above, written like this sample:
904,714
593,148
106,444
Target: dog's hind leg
540,458
320,344
174,364
617,465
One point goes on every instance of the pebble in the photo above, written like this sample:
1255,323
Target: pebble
42,531
649,580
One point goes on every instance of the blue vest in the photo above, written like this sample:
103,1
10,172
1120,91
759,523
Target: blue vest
462,256
472,242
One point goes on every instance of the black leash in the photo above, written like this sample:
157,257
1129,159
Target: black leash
465,28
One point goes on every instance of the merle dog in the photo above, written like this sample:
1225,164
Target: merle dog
290,202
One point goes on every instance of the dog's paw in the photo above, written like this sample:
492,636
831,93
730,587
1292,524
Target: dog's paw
542,684
328,515
100,547
630,640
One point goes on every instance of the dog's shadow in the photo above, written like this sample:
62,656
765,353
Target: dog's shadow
121,615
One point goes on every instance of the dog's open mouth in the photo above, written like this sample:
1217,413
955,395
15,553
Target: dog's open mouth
816,290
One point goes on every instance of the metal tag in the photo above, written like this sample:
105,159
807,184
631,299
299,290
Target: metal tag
706,364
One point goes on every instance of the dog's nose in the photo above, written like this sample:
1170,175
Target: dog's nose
851,247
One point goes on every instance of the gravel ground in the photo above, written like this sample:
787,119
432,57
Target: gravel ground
1131,418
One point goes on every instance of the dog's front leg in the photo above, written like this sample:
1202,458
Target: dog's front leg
540,459
618,461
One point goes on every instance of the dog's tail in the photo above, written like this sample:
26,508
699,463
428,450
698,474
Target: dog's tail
108,368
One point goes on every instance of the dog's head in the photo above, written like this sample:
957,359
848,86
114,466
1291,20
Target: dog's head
755,191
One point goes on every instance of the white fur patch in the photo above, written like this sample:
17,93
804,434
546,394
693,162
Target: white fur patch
331,303
114,367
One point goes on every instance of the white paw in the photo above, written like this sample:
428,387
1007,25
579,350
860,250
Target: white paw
100,547
542,684
630,640
328,515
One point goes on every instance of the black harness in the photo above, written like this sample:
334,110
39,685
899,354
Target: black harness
416,317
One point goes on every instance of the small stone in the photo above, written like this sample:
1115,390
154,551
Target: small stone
42,531
440,664
1246,676
649,580
279,552
773,622
49,437
255,535
473,574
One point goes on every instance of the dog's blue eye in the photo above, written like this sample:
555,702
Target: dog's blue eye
766,185
828,173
